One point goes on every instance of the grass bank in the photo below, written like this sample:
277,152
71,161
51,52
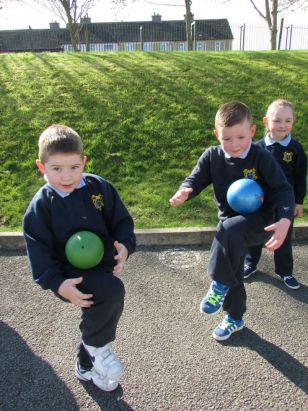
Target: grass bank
145,118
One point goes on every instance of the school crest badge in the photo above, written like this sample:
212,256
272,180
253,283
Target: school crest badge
252,174
287,157
98,201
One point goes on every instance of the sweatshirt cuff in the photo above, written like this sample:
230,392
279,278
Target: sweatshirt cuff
55,283
51,281
130,247
285,213
190,195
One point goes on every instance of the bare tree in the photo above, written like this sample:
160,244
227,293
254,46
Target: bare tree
270,14
4,2
72,13
188,21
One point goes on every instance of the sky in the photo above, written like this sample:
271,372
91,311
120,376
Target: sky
17,15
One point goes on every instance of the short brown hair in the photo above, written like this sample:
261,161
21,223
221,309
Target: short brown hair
232,113
58,138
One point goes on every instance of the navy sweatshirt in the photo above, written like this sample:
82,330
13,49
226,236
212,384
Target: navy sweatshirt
293,161
50,220
215,168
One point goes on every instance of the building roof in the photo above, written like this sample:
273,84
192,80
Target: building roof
213,30
29,40
54,38
151,31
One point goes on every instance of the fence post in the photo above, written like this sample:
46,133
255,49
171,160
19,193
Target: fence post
287,37
141,39
280,33
242,37
193,34
241,30
291,30
244,30
30,38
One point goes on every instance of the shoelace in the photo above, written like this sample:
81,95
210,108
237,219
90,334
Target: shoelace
228,324
215,297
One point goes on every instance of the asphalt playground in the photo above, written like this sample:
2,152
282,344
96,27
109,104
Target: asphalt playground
171,360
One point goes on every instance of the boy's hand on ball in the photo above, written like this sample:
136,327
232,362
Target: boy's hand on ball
280,232
69,291
180,196
120,258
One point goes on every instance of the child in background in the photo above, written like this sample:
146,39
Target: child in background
72,201
236,158
290,155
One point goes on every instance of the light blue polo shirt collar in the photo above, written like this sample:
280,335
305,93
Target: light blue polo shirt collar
243,155
61,194
269,141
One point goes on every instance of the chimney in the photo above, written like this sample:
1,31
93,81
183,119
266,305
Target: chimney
54,25
156,18
85,20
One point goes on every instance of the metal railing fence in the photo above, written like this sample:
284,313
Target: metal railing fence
257,38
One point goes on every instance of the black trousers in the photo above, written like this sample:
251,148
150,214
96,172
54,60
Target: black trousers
99,322
227,254
283,256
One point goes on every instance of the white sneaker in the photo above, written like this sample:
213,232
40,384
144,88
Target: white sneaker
91,375
105,361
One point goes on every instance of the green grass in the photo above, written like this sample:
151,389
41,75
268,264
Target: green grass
145,118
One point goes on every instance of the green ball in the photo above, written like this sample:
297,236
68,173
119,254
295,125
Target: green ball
84,249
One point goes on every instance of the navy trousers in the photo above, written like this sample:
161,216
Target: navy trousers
283,256
226,263
99,322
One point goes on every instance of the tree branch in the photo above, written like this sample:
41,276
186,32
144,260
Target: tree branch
256,8
164,4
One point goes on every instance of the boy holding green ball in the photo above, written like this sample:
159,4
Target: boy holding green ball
69,202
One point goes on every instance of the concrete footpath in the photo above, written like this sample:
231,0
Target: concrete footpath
171,360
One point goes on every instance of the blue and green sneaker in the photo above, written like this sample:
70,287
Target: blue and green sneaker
214,298
229,325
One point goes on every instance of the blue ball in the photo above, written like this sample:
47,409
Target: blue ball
245,196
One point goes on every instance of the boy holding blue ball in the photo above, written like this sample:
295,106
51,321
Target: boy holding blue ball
72,201
237,158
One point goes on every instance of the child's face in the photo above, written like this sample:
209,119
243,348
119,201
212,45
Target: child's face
279,122
236,139
64,171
